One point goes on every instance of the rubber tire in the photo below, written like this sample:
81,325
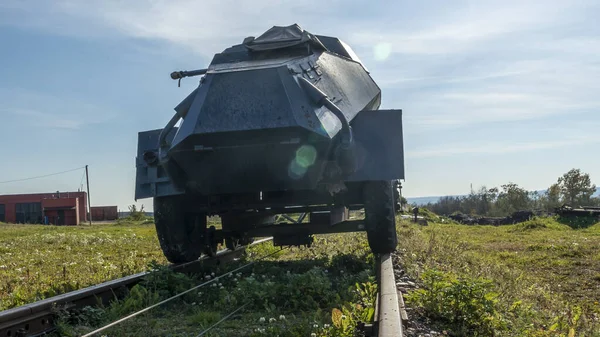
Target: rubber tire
180,234
380,219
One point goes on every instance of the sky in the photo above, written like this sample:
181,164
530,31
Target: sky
491,91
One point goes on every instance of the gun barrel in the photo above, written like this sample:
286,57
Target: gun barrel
181,74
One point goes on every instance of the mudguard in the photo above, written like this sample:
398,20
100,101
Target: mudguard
151,180
379,145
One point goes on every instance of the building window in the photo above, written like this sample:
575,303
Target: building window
2,213
30,212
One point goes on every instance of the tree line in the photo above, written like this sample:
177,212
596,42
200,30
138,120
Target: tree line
573,188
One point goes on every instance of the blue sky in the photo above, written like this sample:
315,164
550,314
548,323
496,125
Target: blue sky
492,91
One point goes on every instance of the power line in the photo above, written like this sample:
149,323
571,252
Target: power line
80,187
46,175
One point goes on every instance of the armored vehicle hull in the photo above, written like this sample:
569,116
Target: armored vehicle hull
285,123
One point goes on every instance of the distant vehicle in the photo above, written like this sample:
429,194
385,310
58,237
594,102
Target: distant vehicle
286,123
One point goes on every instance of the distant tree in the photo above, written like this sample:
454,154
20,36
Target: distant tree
536,199
552,197
512,198
488,199
576,187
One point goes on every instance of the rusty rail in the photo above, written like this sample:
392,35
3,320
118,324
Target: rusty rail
37,318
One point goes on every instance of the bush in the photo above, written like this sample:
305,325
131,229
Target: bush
539,223
467,305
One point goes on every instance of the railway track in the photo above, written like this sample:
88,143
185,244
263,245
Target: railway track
37,319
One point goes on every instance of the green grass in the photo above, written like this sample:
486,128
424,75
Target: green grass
545,276
37,262
538,278
324,290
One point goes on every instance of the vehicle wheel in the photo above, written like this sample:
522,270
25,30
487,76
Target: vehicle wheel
380,218
179,233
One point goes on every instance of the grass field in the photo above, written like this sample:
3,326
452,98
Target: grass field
323,290
538,278
41,261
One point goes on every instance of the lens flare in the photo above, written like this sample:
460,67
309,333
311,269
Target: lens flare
382,51
306,156
296,171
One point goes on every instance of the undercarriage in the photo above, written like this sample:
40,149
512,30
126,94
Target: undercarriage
292,218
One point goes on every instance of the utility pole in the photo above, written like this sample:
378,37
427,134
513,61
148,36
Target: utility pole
87,178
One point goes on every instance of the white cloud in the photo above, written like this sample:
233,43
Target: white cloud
50,112
474,62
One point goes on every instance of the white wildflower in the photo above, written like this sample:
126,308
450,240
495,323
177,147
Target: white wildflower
313,335
316,326
271,320
326,326
220,284
212,274
207,277
261,320
281,317
344,317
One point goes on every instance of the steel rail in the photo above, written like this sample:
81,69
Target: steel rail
139,312
37,318
388,311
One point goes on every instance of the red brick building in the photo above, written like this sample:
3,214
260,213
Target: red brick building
59,208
